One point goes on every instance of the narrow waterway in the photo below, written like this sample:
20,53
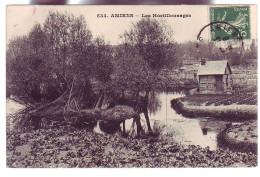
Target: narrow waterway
12,107
165,121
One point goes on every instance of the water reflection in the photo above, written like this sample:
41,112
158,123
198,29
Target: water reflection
154,104
109,126
163,119
200,131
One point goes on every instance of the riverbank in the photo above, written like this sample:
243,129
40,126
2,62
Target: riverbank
240,137
81,148
237,136
208,106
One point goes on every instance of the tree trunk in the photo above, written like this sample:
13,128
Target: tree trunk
146,113
51,104
97,100
124,128
139,127
148,122
100,100
123,94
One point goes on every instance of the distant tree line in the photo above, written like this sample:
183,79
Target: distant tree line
235,53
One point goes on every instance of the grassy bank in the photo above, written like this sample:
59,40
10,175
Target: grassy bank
213,106
221,99
81,148
240,137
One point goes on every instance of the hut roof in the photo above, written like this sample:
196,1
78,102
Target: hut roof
214,68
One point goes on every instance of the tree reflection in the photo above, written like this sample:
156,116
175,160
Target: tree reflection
154,103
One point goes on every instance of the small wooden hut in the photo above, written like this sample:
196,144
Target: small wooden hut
214,77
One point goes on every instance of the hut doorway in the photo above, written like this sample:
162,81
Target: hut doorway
219,87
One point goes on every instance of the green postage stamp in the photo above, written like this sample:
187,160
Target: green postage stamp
230,23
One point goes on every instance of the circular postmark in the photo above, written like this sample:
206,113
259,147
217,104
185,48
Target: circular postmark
227,35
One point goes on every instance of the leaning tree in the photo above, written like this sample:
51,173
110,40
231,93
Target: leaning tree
50,68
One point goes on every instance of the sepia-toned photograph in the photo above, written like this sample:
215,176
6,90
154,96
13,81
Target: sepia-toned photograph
141,86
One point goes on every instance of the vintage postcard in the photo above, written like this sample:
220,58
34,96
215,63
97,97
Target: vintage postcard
131,86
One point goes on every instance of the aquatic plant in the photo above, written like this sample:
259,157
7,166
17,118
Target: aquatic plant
84,149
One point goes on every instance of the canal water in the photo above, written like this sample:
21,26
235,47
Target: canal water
164,120
12,107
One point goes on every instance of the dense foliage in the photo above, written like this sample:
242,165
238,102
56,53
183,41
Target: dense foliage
80,148
55,57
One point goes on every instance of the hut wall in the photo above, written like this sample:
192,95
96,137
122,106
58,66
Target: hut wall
227,85
207,84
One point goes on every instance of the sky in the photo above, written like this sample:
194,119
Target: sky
21,19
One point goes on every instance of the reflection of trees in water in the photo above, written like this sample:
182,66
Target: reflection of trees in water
154,103
84,123
110,126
